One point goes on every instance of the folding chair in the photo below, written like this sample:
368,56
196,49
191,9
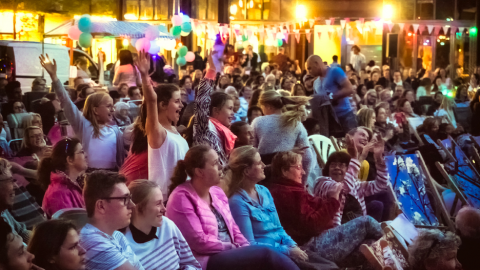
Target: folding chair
475,153
15,145
323,147
77,216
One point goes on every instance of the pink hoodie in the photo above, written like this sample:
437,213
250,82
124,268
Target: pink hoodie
198,224
62,193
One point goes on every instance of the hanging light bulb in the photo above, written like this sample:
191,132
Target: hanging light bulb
251,3
240,3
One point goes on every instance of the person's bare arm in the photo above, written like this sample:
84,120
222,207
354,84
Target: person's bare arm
346,90
27,173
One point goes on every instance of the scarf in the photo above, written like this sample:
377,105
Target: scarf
226,135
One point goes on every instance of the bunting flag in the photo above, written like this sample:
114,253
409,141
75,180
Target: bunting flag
421,28
308,35
401,25
329,35
311,22
453,29
390,26
339,31
415,27
342,23
436,30
461,29
319,33
332,21
286,37
430,28
445,29
328,22
362,20
297,35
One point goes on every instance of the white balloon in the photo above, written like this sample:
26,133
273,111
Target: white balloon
154,48
169,44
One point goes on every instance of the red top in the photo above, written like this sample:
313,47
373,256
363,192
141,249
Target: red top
302,215
135,167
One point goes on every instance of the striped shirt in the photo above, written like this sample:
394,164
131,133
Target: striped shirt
167,251
359,190
105,252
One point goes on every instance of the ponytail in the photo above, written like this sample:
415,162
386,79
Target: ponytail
179,176
44,170
195,158
294,106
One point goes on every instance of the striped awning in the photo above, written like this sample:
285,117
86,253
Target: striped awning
132,30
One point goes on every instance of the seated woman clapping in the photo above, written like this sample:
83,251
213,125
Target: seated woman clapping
309,220
200,210
342,169
252,205
154,238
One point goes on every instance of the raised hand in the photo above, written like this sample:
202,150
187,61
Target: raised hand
209,56
378,149
335,192
49,66
143,63
351,147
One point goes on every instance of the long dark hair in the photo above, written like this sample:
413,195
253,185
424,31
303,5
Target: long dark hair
339,156
195,158
164,94
126,58
47,239
57,161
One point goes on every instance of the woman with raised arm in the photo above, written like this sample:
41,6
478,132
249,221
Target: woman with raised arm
102,142
213,115
161,107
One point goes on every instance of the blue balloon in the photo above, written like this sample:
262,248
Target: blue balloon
163,29
185,18
181,61
186,27
85,40
85,24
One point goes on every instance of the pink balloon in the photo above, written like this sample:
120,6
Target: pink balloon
74,32
177,20
142,44
190,57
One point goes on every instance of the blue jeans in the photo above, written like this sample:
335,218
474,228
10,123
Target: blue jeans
251,257
348,121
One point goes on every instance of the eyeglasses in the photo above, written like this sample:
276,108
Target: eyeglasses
81,152
338,164
298,167
18,108
36,136
11,180
126,199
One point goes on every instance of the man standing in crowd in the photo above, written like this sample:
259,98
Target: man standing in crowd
282,60
357,59
386,79
109,209
332,86
413,80
252,59
198,63
335,62
468,228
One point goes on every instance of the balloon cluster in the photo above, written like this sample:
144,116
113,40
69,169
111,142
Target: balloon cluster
181,26
148,43
82,31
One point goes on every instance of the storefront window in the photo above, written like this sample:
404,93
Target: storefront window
161,10
146,10
272,10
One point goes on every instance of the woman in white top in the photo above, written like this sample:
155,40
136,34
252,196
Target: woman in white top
161,107
126,72
102,143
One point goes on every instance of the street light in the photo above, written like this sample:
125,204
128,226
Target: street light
387,11
125,42
301,12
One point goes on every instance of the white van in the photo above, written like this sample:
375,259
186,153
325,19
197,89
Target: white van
22,58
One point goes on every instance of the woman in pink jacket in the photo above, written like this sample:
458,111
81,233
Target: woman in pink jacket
200,210
59,174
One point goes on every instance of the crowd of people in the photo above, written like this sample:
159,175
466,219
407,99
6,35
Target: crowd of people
215,170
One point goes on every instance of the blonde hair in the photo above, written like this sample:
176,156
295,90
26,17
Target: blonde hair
94,100
365,98
26,136
293,112
240,159
27,120
284,93
141,191
364,117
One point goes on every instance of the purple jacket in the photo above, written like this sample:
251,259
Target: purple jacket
198,224
62,193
